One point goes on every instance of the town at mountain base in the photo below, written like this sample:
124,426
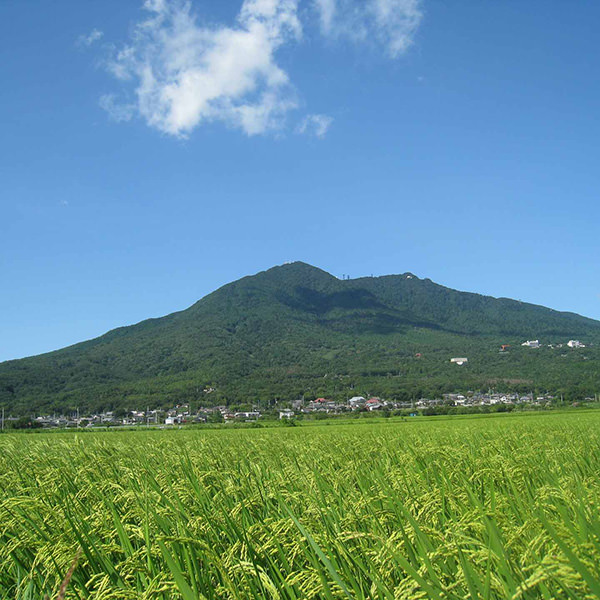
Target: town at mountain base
295,331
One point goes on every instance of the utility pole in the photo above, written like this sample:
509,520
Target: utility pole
3,418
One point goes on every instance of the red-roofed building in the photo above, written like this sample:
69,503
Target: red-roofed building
374,404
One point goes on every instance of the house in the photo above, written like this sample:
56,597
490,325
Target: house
286,414
251,415
374,404
531,343
173,420
575,344
356,401
459,361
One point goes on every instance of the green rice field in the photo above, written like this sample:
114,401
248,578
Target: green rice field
503,507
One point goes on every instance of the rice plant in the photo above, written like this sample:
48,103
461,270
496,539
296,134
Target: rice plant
468,508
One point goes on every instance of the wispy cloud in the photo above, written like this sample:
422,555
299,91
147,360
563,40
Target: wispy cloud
316,125
327,10
178,73
117,111
86,40
390,23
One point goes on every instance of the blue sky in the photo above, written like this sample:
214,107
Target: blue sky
151,153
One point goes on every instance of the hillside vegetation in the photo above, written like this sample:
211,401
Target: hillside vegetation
295,330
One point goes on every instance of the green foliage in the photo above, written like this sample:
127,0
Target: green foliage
23,423
297,330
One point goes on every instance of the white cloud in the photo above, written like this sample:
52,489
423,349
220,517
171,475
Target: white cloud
392,23
316,125
186,74
85,41
118,111
327,9
178,73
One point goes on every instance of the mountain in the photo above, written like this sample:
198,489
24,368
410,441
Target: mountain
295,329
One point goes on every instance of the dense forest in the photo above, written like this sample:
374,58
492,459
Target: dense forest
296,330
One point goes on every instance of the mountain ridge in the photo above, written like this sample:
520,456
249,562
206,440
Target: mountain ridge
248,337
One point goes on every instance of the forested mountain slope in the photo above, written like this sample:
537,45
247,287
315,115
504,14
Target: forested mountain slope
296,329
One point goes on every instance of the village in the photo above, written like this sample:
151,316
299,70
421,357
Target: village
320,408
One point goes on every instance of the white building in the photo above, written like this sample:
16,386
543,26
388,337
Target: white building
286,414
531,343
575,344
357,401
459,361
250,415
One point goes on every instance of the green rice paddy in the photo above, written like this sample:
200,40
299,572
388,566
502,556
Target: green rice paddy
505,507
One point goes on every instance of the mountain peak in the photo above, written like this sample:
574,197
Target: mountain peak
294,273
282,331
299,266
